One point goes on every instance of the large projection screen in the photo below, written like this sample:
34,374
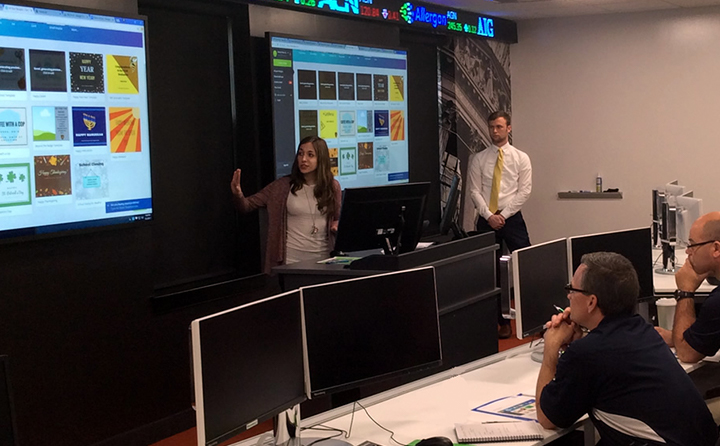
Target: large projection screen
74,130
353,96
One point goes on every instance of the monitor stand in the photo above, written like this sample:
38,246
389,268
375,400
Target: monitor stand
388,248
668,254
458,232
288,433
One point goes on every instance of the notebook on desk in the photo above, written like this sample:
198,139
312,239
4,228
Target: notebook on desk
498,431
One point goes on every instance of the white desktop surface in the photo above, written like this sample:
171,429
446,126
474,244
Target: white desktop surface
665,283
431,406
433,410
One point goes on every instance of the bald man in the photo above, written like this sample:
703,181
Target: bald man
697,337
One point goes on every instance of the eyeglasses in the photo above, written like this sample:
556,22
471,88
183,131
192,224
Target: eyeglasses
569,288
695,245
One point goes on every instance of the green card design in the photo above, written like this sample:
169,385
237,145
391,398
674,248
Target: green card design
14,185
348,158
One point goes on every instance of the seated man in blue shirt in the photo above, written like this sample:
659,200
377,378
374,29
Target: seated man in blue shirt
621,373
694,338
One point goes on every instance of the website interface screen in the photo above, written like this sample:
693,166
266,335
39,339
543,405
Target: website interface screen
74,142
354,97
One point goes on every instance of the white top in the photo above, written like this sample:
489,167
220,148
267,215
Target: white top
302,216
515,185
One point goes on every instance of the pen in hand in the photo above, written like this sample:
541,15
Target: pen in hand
560,310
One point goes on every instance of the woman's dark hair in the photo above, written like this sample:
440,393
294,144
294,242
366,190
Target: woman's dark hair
324,192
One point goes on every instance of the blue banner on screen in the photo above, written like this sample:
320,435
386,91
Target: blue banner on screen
128,205
352,96
74,141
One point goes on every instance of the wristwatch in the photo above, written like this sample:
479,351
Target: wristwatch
680,294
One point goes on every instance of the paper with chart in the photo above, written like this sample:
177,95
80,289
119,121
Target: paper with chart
520,406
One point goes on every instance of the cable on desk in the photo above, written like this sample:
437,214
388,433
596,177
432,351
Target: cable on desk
392,434
656,259
320,427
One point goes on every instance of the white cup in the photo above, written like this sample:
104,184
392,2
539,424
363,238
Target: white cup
666,312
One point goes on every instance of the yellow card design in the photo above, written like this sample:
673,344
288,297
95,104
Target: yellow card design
328,124
122,73
397,88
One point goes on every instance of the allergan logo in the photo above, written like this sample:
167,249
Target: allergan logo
433,18
411,14
406,12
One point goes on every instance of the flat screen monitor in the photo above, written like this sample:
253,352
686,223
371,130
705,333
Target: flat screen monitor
540,273
247,366
74,139
673,190
368,329
634,244
352,95
373,217
687,211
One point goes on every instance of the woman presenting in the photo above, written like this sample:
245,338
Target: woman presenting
303,208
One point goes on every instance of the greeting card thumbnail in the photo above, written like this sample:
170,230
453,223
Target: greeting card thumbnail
364,121
52,176
47,70
89,128
397,88
308,123
334,161
12,69
348,163
397,125
50,124
86,73
91,179
328,124
346,86
381,87
124,129
327,85
365,155
14,185
122,74
13,127
382,159
364,87
347,123
382,123
307,84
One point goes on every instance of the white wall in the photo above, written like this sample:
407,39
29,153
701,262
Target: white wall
634,97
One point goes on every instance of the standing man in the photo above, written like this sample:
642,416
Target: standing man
621,373
694,338
500,181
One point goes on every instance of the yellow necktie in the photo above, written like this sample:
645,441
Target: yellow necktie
497,176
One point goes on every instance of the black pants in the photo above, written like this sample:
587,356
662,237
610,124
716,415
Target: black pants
515,236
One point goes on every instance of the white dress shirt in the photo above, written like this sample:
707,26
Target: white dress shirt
515,184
